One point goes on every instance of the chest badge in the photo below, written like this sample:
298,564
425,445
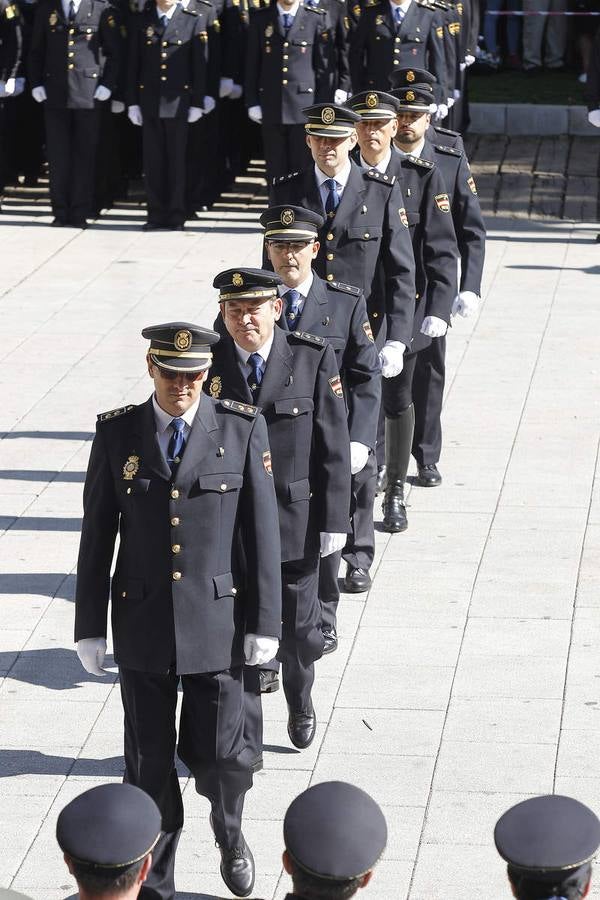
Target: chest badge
215,386
149,31
269,31
53,19
130,469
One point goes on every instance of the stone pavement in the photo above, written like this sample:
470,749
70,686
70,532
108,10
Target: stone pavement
466,680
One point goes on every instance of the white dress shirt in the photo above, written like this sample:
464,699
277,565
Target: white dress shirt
303,289
163,423
341,179
403,6
381,166
169,13
289,12
65,7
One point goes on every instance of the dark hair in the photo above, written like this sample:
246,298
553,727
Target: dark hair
571,884
106,881
311,887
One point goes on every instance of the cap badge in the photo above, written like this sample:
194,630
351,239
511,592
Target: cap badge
410,76
182,340
410,95
372,100
288,217
215,387
237,280
328,116
131,468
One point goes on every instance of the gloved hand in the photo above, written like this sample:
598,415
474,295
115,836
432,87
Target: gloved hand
391,357
593,117
134,114
449,102
462,66
469,59
209,104
340,96
236,92
442,111
332,541
91,653
359,454
117,106
194,114
9,87
225,87
432,326
255,114
465,304
259,649
102,93
39,93
457,94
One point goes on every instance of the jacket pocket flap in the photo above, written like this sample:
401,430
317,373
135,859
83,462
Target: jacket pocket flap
365,233
299,490
294,407
224,482
224,585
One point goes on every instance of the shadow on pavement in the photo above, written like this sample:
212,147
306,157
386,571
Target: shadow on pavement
39,523
56,668
46,584
50,435
41,475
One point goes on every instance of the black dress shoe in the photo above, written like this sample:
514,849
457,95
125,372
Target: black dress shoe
153,226
80,224
237,869
269,681
356,581
302,727
330,640
58,223
381,482
429,475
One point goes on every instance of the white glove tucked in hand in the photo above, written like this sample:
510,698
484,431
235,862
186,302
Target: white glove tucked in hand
39,93
391,357
209,104
433,326
255,114
117,107
457,94
449,102
236,92
225,87
194,114
465,304
442,111
102,93
9,87
469,59
134,114
332,541
91,653
359,454
340,96
259,649
593,117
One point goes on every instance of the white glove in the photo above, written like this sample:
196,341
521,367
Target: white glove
209,104
391,357
432,326
359,454
102,93
457,94
449,102
465,304
462,66
331,541
593,117
225,87
91,652
39,93
9,87
255,114
340,96
259,649
442,111
134,113
236,92
194,114
469,59
117,106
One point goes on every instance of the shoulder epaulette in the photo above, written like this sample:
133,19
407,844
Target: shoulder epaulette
282,178
417,161
370,3
382,177
451,151
190,12
346,288
244,408
314,9
446,131
115,413
425,4
309,338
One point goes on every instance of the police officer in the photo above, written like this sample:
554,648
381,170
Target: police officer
107,836
287,64
428,382
549,844
11,53
293,377
334,835
74,60
427,212
166,87
337,312
410,77
183,478
363,242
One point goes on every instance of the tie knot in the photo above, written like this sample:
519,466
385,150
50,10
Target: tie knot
399,15
164,21
255,360
292,296
331,184
178,425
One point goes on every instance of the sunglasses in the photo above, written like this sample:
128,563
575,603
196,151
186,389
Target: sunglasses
172,376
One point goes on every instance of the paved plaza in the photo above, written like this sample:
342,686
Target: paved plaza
467,679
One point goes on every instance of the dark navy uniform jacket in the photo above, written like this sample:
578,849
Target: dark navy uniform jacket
366,244
444,136
180,590
210,25
167,67
302,401
71,60
12,28
338,69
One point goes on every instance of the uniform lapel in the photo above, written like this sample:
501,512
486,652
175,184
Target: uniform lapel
408,20
278,370
297,22
200,440
355,187
314,305
81,15
152,455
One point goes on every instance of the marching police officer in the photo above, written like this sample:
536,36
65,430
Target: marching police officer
184,479
11,52
549,844
364,242
293,377
337,312
74,60
166,87
409,77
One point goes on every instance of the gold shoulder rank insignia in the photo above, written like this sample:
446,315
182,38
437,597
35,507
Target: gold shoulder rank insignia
131,468
472,185
115,413
266,458
244,408
443,202
336,386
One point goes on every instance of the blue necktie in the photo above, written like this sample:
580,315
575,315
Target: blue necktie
292,308
71,12
255,377
176,444
398,16
333,199
287,21
164,20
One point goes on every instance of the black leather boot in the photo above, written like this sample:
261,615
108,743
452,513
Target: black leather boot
398,443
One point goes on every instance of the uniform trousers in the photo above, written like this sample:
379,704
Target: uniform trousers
71,141
428,394
396,392
164,144
211,744
203,177
285,150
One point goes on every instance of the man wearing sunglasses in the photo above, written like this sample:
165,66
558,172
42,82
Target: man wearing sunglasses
186,482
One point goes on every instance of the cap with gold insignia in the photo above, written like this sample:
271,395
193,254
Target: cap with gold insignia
413,99
111,826
291,223
246,284
409,77
335,831
180,346
330,120
373,105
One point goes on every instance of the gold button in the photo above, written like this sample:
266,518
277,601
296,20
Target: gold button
223,487
375,315
396,49
284,69
164,43
285,56
71,43
330,256
71,55
163,55
163,77
128,490
397,40
71,31
295,410
176,548
367,235
234,591
124,594
330,236
175,521
174,494
284,81
286,44
176,576
163,66
71,66
417,296
330,277
141,87
396,62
